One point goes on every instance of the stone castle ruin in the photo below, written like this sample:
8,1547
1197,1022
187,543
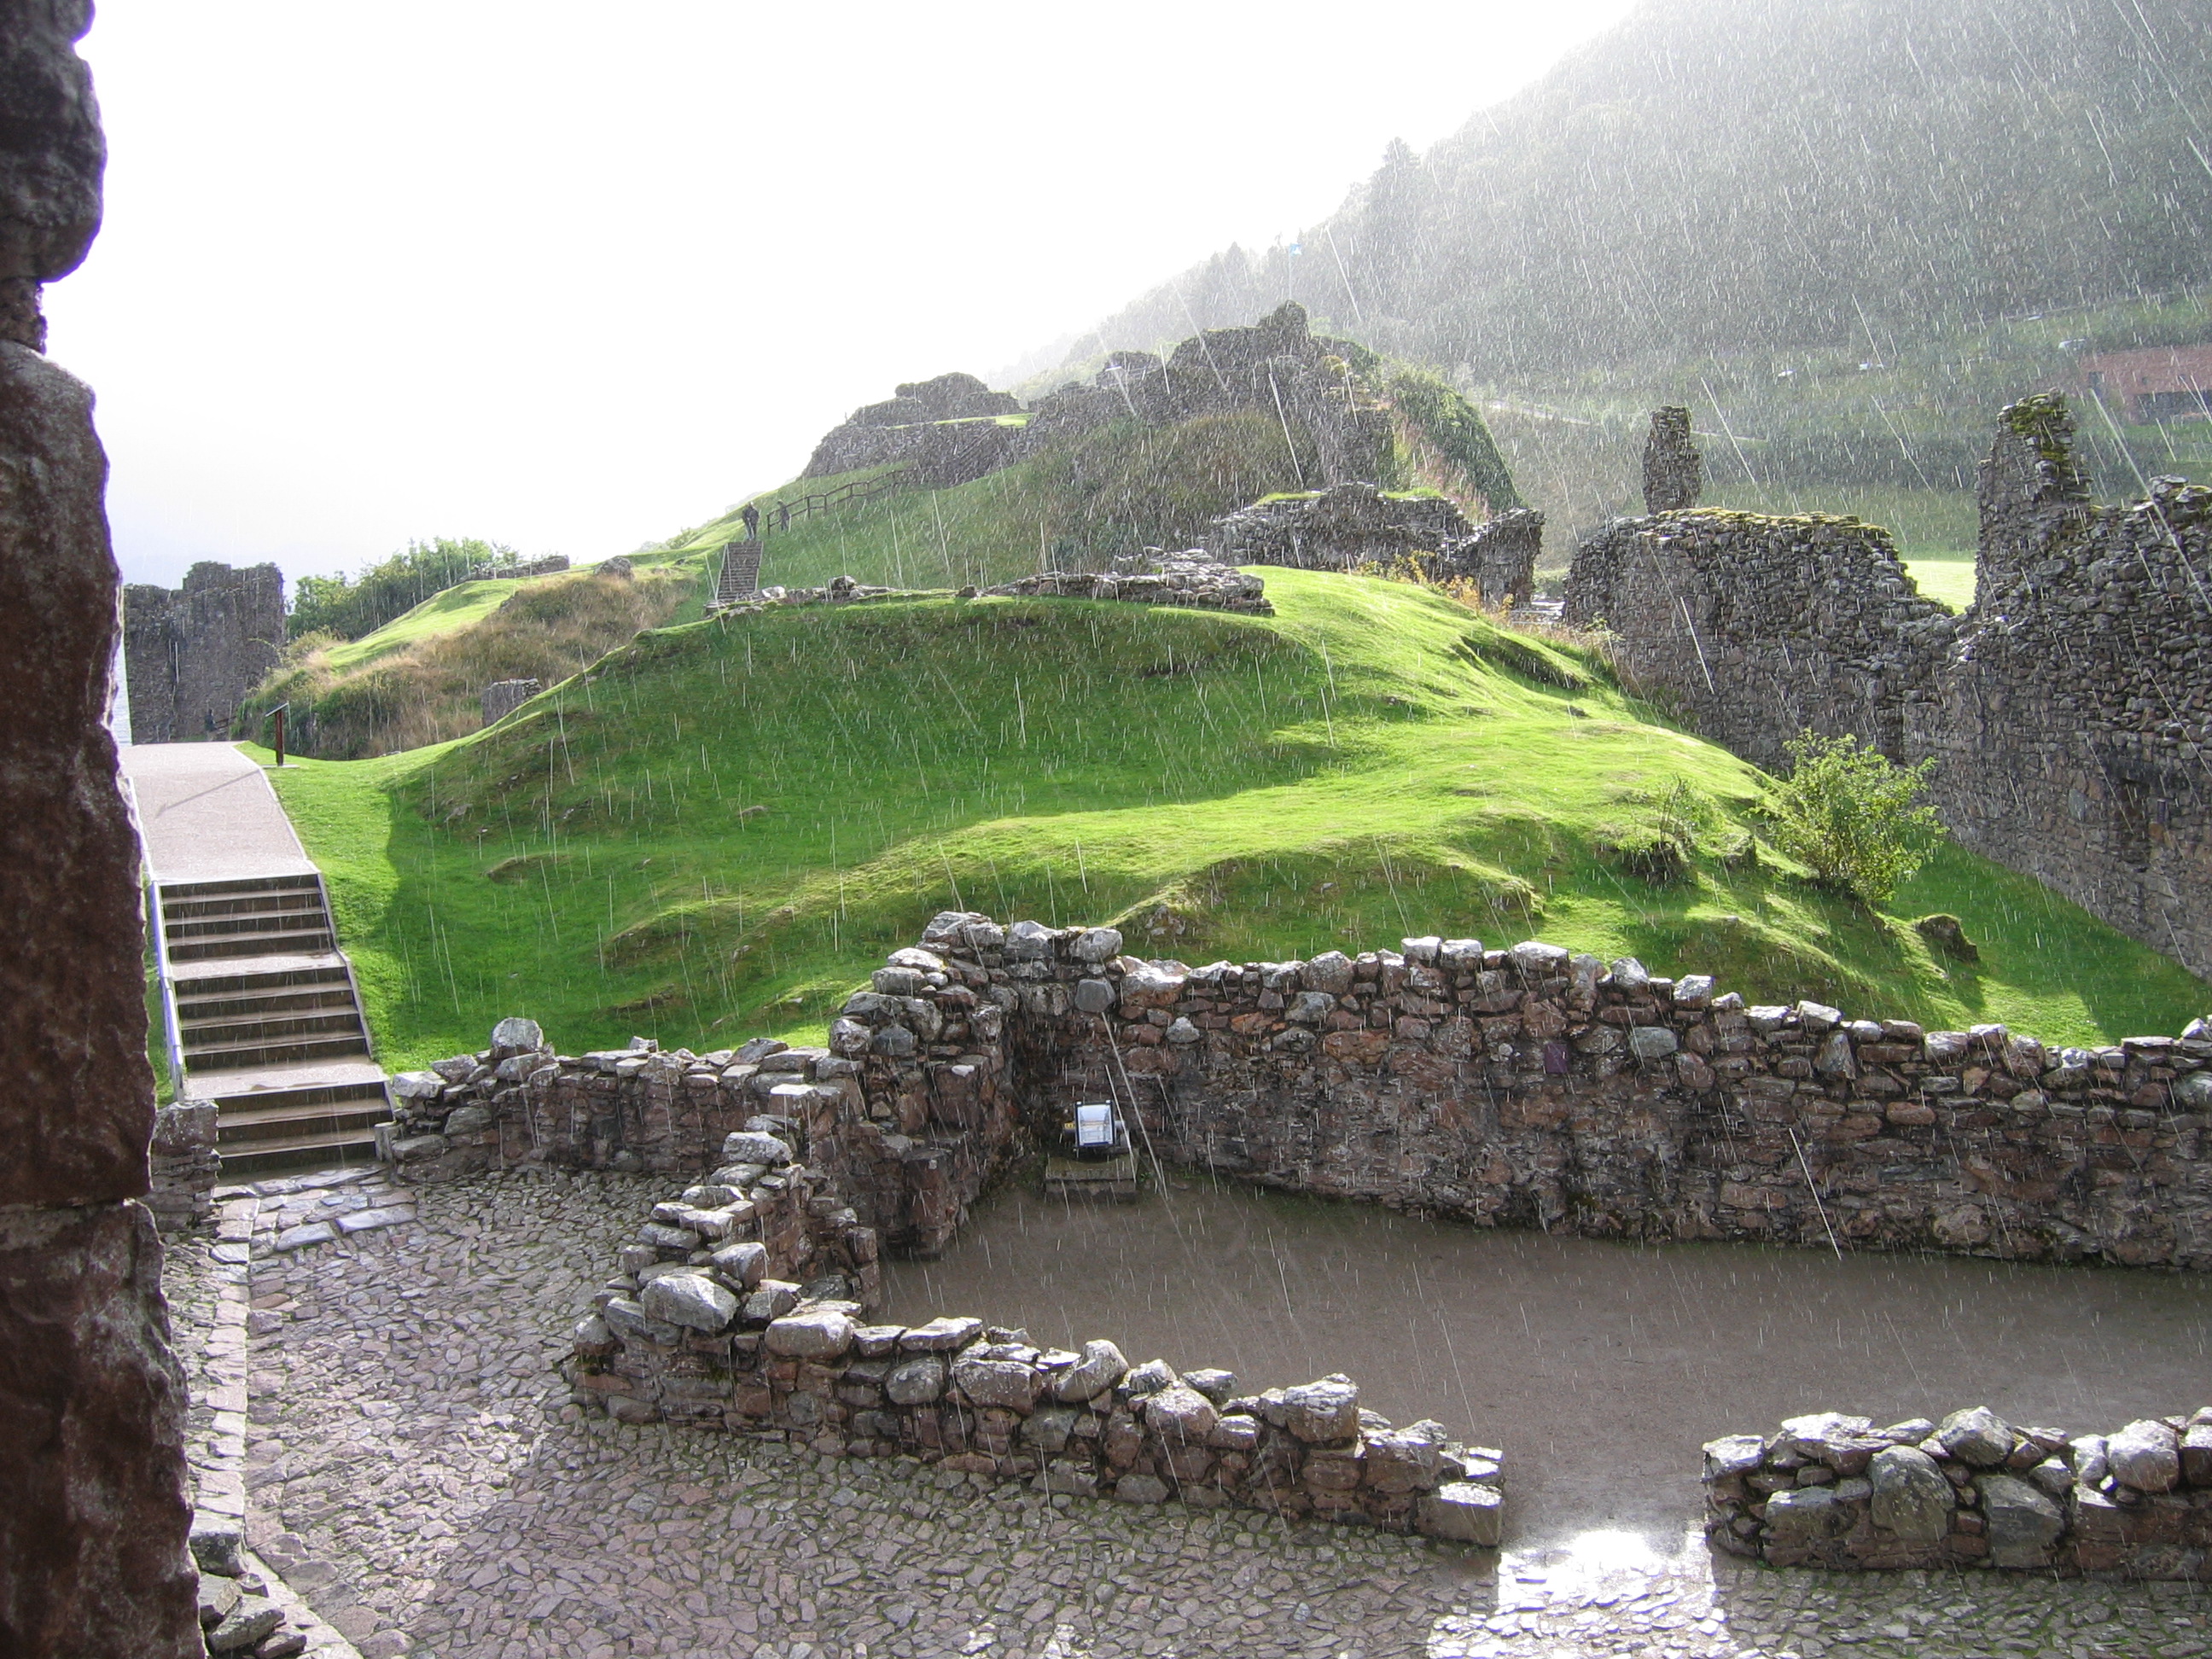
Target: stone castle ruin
1349,527
954,429
1523,1087
2070,708
191,654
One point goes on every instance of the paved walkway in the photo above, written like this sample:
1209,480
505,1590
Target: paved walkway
412,1463
207,814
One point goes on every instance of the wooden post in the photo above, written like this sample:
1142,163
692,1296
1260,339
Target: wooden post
280,736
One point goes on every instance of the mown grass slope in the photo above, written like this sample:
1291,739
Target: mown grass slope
722,827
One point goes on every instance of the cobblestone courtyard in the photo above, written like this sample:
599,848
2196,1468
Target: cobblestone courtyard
414,1469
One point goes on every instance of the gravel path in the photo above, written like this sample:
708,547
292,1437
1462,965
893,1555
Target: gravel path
414,1469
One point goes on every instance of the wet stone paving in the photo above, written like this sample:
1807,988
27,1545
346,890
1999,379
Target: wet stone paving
414,1469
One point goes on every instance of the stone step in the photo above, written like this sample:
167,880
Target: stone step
252,945
189,891
214,1031
277,1001
319,1146
239,1056
240,904
276,972
304,918
250,1124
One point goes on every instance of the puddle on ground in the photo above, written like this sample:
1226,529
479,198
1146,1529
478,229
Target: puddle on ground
1599,1368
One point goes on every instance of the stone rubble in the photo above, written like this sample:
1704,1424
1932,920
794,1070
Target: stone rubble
1192,580
1351,524
415,1469
1973,1490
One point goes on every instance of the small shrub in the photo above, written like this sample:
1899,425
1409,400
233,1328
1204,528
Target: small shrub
1652,855
1851,816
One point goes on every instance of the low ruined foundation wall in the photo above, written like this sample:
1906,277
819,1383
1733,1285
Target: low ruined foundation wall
695,1330
1527,1086
1832,1490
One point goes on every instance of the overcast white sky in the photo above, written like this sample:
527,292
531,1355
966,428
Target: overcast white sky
573,276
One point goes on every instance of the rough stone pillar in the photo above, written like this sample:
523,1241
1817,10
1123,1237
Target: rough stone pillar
1674,473
93,1505
2030,490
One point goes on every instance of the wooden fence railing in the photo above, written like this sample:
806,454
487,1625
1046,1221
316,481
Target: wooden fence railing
763,519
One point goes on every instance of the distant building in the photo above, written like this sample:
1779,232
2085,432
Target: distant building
2164,383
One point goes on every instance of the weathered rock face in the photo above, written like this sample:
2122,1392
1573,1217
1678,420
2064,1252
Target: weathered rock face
502,697
52,155
191,654
93,1509
1977,1492
72,1021
2069,708
1673,471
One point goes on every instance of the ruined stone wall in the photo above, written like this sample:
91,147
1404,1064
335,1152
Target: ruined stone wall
184,1165
1833,1490
1755,628
191,654
1523,1087
2069,708
697,1346
2071,720
94,1514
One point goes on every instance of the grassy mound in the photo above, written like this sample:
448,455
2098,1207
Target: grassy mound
420,678
721,827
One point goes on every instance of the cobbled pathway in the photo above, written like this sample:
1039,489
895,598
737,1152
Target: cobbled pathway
413,1467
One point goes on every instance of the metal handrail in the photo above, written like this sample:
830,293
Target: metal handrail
157,924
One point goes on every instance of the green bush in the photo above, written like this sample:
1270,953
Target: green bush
1851,816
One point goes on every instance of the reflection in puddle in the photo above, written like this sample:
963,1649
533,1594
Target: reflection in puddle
1600,1368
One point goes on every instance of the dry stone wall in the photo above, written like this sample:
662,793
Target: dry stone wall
697,1345
1833,1490
2069,708
1756,628
1528,1086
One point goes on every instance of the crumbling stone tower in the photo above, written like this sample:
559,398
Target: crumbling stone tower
1674,473
190,655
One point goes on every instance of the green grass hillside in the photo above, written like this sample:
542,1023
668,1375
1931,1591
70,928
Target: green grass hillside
720,828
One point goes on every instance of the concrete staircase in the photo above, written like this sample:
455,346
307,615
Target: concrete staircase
267,1019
